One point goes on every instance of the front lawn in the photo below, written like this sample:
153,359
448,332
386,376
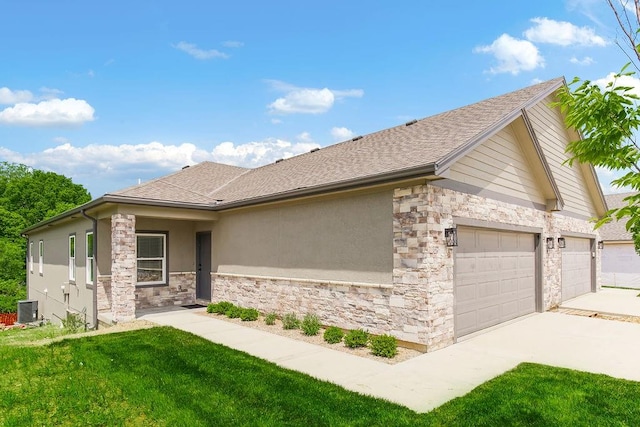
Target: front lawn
162,376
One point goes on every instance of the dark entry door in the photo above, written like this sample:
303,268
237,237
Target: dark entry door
203,265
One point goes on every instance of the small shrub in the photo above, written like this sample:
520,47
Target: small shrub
270,319
384,345
220,307
290,321
73,323
356,338
249,314
333,335
234,312
310,324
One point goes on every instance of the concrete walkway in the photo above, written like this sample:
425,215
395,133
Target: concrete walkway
608,301
429,380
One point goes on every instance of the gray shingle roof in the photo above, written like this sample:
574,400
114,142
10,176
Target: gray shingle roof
615,230
426,142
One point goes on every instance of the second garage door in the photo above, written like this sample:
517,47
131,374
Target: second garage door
576,267
494,278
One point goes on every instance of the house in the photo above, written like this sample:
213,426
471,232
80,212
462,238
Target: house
430,231
620,262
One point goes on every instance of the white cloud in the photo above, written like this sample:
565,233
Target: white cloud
10,97
276,121
587,60
232,43
198,53
307,100
51,112
258,153
513,55
605,176
341,133
562,33
50,93
627,81
106,167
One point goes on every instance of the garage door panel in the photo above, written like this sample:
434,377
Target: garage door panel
494,278
576,267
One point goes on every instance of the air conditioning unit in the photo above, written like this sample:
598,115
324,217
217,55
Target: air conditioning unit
27,311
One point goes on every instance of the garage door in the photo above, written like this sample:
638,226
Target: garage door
576,267
494,278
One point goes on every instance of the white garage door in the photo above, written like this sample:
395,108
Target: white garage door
494,278
576,267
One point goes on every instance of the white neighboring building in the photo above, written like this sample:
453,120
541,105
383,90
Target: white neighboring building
620,262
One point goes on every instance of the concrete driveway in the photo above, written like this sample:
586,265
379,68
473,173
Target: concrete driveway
429,380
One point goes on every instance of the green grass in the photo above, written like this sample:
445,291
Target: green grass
17,336
165,377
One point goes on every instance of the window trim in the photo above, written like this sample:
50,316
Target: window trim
89,258
72,257
31,257
165,259
41,257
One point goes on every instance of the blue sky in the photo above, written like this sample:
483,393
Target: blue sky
109,93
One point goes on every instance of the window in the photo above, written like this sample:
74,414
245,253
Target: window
41,257
72,258
31,257
151,258
89,258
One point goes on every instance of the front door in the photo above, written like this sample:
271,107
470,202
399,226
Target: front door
203,265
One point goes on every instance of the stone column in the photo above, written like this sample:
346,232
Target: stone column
123,267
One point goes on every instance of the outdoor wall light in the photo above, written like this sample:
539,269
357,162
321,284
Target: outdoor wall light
562,243
550,243
451,236
600,244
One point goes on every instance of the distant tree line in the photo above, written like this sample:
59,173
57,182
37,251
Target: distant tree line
27,196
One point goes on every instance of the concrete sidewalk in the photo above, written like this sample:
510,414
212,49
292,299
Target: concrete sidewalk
429,380
608,301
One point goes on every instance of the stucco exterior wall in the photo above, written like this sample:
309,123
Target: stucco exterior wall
347,238
46,288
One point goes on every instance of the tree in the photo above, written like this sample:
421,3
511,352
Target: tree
27,196
609,120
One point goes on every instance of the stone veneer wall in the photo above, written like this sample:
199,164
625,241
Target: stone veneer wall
123,267
419,306
180,291
345,304
104,294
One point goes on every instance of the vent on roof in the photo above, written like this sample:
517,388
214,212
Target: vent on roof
314,150
411,122
357,138
184,167
279,160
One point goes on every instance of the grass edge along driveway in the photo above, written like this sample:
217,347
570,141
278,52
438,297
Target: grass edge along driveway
163,376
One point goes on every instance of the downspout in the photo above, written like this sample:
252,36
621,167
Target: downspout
95,270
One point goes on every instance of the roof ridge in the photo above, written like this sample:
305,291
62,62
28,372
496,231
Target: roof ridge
210,194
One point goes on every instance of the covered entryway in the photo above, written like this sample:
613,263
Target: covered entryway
576,267
494,277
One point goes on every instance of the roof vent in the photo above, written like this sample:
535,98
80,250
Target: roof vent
279,160
314,150
184,167
411,123
357,138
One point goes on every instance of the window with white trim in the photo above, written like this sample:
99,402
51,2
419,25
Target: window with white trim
31,257
151,258
41,257
89,258
72,257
